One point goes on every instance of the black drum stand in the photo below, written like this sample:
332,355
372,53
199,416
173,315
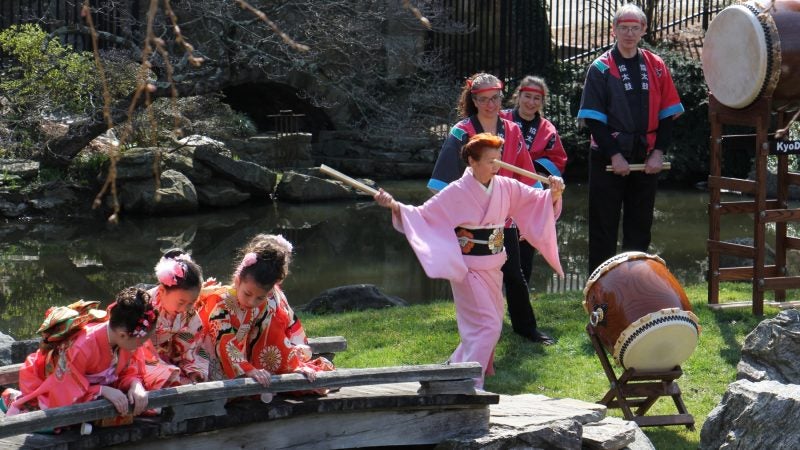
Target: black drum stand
640,390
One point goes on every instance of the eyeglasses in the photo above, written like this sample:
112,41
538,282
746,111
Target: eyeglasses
497,98
623,29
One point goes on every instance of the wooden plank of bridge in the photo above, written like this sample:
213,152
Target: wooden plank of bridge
242,387
9,375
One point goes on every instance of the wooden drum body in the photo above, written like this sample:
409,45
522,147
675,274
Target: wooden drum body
752,50
640,312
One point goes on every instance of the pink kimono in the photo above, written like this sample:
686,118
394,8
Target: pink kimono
88,364
477,280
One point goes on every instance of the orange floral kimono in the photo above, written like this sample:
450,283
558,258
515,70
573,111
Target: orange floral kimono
174,352
78,375
266,337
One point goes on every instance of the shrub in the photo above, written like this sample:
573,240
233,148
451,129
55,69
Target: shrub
48,75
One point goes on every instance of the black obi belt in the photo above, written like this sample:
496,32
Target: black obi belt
480,241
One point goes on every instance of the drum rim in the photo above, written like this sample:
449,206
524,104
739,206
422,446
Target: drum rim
635,330
614,261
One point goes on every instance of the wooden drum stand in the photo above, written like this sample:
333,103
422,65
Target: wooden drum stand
640,390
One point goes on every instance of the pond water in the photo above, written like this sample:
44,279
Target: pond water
341,243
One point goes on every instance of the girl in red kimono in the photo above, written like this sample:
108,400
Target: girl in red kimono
548,155
458,235
174,354
541,136
101,360
251,329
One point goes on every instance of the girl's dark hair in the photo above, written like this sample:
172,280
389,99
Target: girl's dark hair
130,310
273,254
191,277
477,144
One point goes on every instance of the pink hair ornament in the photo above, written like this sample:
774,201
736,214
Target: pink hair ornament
169,270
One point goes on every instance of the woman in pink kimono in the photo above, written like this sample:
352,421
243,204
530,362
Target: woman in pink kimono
458,235
174,354
101,360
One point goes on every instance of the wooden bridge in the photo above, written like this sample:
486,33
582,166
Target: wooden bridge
385,406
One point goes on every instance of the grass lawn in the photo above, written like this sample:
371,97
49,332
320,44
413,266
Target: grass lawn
426,334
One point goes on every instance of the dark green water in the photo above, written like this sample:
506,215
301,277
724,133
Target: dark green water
55,263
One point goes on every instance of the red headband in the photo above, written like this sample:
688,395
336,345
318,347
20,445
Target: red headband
488,88
531,89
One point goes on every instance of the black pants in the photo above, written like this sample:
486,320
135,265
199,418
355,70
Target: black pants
516,274
609,195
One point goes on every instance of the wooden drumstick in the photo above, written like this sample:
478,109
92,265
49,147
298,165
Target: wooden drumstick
640,167
347,180
523,172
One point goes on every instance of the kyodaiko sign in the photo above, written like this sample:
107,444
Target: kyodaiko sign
784,147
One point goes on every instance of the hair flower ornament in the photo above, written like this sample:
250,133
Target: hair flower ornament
168,271
284,242
145,323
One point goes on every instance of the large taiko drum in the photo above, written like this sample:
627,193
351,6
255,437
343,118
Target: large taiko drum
640,313
752,50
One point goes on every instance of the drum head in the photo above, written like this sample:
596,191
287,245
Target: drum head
736,57
658,341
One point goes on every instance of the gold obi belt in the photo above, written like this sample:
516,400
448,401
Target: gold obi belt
480,241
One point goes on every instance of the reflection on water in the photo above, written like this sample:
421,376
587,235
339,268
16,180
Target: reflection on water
336,244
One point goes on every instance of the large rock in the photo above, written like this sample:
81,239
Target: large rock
6,342
135,164
610,433
183,161
220,193
562,434
355,297
245,174
22,169
297,187
754,415
772,350
177,195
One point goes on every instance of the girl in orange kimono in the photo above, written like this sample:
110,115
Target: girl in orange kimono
101,360
458,235
174,354
250,328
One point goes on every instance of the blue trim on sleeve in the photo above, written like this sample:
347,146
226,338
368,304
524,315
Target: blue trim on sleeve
670,111
458,132
538,185
436,185
592,114
549,166
601,66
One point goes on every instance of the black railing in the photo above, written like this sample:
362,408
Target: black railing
581,29
495,36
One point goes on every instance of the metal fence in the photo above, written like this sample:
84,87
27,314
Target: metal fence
63,17
581,29
503,37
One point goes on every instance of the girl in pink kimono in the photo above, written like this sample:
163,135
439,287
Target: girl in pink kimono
458,235
174,354
101,360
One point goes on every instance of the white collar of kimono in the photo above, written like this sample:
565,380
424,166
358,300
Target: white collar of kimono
487,189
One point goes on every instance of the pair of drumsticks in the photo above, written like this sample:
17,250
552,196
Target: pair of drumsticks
371,191
363,187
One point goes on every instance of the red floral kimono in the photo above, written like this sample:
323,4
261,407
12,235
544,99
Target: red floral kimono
281,345
266,337
88,364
